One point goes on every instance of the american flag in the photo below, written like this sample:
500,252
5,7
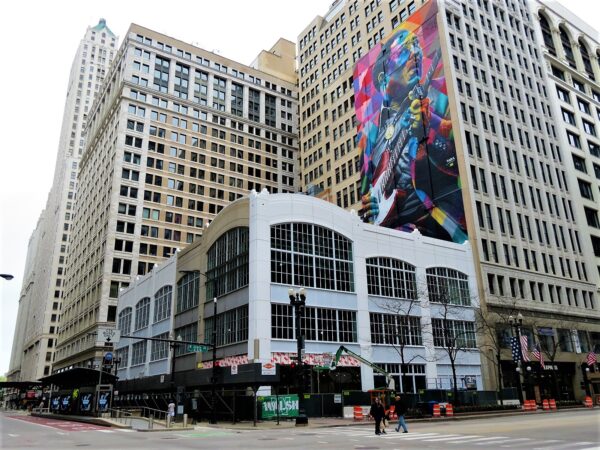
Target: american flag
537,352
524,348
591,358
516,349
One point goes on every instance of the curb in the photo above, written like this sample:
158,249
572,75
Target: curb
350,423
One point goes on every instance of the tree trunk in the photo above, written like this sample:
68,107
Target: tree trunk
500,390
455,386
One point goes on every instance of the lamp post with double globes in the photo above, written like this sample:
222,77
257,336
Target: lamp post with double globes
213,380
516,326
298,301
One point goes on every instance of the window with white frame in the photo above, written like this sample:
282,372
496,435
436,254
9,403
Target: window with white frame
142,313
162,303
395,329
123,356
389,277
318,324
124,321
304,254
138,353
159,349
453,333
448,286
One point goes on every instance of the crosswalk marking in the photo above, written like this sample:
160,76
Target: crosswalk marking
495,442
458,437
501,440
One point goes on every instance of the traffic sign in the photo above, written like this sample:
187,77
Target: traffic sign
197,348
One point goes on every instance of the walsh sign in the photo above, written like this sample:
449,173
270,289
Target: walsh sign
288,406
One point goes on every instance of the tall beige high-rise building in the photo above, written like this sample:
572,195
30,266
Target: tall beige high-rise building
176,133
42,290
528,214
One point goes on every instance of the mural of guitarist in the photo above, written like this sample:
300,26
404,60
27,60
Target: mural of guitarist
409,172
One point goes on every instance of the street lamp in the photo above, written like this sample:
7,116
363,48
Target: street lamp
516,326
213,405
173,346
6,276
298,301
585,371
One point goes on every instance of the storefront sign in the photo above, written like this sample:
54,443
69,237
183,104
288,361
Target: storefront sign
103,400
269,369
234,369
288,406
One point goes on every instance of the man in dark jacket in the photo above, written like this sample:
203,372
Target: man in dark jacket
377,413
400,409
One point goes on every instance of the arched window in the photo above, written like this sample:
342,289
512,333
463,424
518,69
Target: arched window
124,321
585,56
566,43
308,255
448,286
228,263
547,34
142,313
188,291
162,303
388,277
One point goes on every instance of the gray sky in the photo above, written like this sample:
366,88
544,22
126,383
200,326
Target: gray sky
39,42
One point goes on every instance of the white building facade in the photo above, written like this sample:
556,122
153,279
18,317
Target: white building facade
365,286
146,310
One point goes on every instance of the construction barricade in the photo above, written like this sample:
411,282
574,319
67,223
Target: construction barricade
449,410
546,405
358,413
436,410
588,402
552,404
529,406
392,413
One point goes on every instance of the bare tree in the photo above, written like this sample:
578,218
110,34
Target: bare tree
405,328
490,321
452,329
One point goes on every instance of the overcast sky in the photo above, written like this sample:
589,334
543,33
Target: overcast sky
39,40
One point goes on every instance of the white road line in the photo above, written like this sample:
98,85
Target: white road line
453,439
105,431
485,440
570,445
503,440
13,435
442,437
414,437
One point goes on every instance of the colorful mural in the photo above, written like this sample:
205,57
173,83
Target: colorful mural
409,172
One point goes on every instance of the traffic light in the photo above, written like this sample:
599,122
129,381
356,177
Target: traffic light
307,379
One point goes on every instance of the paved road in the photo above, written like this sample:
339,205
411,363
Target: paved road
575,430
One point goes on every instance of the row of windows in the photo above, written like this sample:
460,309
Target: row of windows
318,324
228,263
232,326
162,311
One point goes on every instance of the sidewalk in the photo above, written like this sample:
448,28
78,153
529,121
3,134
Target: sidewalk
329,422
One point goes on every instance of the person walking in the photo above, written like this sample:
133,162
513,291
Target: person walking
170,413
377,412
400,409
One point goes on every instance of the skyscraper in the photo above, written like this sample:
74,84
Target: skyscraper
175,134
42,290
508,165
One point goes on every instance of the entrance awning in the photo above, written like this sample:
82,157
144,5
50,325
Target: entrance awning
20,384
78,377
